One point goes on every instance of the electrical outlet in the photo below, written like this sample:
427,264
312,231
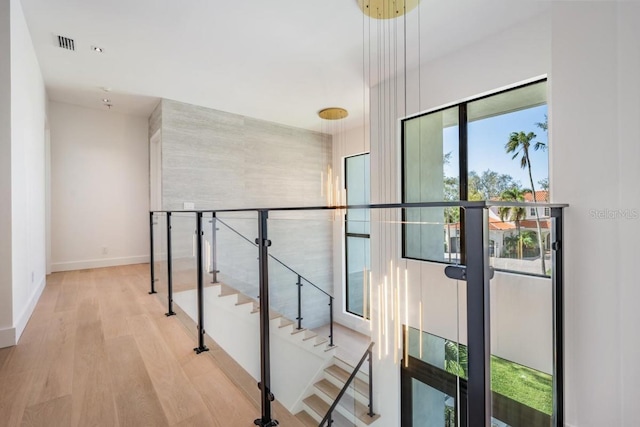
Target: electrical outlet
105,250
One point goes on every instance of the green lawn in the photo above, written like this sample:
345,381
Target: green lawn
520,383
525,385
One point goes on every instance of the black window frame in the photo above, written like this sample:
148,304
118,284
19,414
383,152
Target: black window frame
346,244
463,165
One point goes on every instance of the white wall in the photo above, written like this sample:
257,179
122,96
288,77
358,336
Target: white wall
629,197
23,153
7,335
595,105
99,188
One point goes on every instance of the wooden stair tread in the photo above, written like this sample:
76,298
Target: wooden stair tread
320,407
362,387
320,341
306,419
309,335
285,322
226,291
355,407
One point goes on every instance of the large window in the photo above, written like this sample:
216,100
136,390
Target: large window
358,256
491,148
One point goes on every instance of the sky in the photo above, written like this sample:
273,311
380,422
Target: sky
487,138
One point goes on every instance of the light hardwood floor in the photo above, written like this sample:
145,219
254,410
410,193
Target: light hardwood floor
98,351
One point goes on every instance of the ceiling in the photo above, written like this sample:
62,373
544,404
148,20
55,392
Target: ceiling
281,60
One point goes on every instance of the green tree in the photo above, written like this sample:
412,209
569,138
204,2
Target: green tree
513,213
456,359
544,184
520,144
490,184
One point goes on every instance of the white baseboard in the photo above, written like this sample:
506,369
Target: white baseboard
7,337
11,336
98,263
28,310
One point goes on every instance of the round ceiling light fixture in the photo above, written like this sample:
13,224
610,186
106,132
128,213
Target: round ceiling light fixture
387,9
97,49
333,113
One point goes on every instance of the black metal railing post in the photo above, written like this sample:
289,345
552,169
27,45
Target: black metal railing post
151,257
200,260
557,280
371,413
170,311
478,325
265,362
299,318
214,254
330,321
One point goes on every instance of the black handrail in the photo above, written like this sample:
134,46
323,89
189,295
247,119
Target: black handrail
275,259
444,204
366,354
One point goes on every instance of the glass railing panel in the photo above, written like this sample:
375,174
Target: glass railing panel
301,252
521,325
432,234
235,251
516,234
231,285
300,266
184,265
434,363
160,254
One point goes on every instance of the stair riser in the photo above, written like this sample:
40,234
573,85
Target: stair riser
311,412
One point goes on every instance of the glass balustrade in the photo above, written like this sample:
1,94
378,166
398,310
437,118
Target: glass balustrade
472,339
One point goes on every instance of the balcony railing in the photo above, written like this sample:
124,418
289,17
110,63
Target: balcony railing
279,264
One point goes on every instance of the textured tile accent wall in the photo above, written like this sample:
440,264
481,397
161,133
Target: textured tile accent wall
219,160
155,120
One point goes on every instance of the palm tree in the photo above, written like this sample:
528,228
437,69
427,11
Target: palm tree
513,213
519,144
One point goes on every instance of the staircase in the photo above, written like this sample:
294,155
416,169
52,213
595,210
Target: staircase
231,319
224,303
352,411
282,323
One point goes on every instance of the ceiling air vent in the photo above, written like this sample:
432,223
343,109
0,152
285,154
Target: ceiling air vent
66,43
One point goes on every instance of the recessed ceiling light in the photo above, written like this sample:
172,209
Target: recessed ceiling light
106,100
97,49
